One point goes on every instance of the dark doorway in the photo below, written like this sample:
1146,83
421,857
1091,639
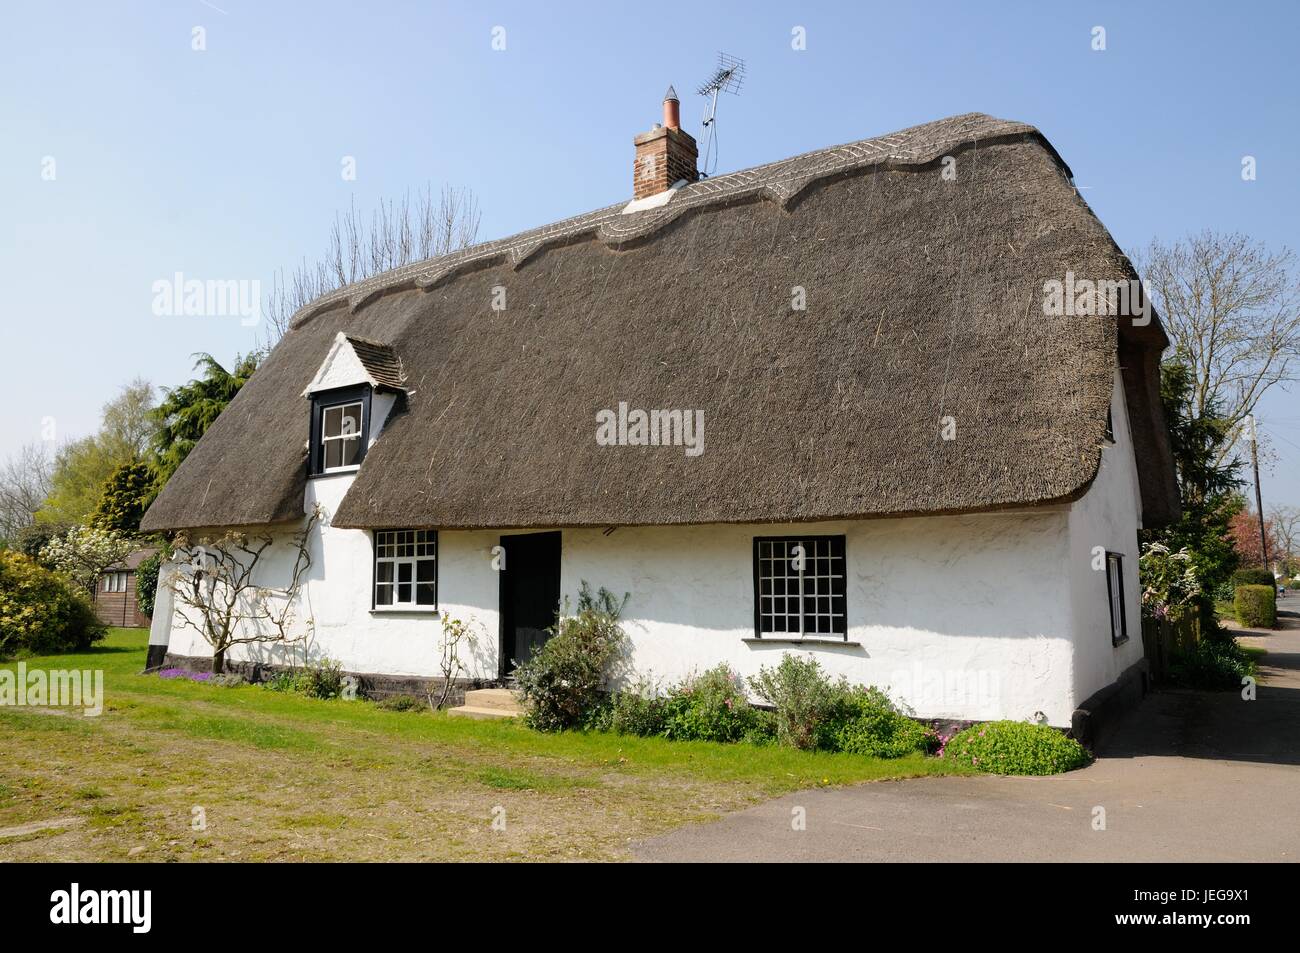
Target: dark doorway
530,595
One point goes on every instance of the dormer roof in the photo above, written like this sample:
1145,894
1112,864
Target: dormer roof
355,360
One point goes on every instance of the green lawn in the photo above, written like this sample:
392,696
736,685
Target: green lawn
280,777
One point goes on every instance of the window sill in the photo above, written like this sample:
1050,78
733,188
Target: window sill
345,471
414,610
1116,643
782,640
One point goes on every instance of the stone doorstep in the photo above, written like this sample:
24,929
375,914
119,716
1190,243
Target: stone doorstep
486,703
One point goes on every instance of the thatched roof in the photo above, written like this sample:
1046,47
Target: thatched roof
924,301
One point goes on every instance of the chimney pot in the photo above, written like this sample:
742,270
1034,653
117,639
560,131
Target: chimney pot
672,109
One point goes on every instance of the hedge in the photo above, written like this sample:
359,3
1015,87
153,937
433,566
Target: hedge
1256,607
1253,577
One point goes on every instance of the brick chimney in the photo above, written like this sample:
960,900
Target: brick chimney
665,154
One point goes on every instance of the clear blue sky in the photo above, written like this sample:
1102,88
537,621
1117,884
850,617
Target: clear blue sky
226,163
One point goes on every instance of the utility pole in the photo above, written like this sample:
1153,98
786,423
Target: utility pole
1259,498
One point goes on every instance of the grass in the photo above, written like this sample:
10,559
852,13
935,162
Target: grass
189,771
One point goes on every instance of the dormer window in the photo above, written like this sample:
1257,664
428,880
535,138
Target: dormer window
340,429
357,386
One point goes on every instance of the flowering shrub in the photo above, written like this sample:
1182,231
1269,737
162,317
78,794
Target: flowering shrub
1015,747
865,721
185,674
1169,580
42,611
709,707
228,680
84,552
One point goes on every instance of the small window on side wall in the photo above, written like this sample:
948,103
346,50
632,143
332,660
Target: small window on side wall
340,427
1115,592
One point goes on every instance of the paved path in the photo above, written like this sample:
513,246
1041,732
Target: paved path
1187,776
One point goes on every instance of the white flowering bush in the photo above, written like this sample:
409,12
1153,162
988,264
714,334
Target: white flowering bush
85,552
1169,580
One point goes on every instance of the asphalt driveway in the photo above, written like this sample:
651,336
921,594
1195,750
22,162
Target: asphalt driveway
1188,776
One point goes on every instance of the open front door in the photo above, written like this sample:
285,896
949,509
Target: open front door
530,595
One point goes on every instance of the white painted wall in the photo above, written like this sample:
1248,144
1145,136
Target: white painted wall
1108,515
963,617
975,617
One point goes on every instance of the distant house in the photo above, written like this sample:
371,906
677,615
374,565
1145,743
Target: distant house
856,404
115,601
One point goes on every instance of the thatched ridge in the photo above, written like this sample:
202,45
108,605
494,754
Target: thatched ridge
923,302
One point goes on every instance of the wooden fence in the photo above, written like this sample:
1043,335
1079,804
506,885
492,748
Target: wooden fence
1165,639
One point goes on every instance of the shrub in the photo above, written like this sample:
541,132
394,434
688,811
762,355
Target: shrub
1253,577
1215,664
41,611
639,710
400,703
146,582
866,721
561,684
709,707
802,696
1016,747
1256,606
762,727
322,680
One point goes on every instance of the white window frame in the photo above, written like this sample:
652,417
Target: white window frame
326,440
405,547
115,582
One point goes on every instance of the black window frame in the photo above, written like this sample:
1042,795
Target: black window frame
415,583
1117,560
840,626
320,402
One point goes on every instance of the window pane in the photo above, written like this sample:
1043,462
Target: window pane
333,454
403,572
332,422
384,572
403,592
424,594
383,595
351,418
351,451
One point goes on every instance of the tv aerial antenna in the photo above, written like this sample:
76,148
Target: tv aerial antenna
726,78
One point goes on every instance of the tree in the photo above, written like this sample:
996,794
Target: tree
146,582
81,468
218,595
24,485
1207,489
1232,311
84,553
397,235
126,496
1244,529
187,411
1286,526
